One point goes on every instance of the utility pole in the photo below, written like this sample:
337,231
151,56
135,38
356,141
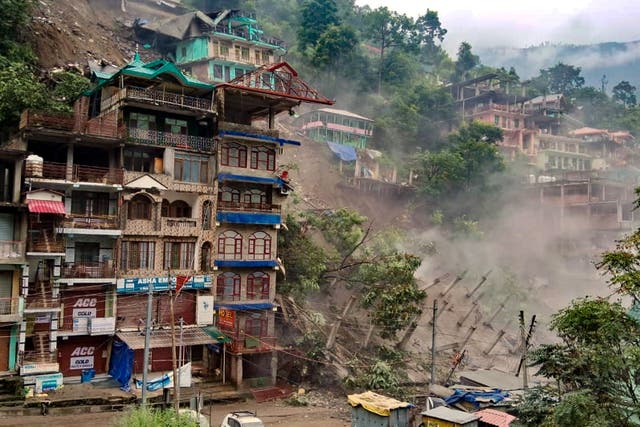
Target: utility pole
433,342
180,356
334,330
176,389
147,339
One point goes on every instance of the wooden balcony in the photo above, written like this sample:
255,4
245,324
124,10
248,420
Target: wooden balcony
157,97
167,139
11,309
100,222
248,207
76,173
11,250
88,270
45,242
30,119
181,226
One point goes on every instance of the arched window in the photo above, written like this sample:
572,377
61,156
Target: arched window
263,158
229,195
164,210
258,285
205,257
260,245
254,197
256,325
179,209
140,207
230,245
233,154
228,286
206,215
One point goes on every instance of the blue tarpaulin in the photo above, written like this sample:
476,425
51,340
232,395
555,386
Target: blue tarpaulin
157,384
121,364
494,396
346,153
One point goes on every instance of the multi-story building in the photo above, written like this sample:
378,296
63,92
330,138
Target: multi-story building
215,47
336,126
251,190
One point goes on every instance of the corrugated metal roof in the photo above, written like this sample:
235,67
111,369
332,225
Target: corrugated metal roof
495,417
344,113
452,415
162,338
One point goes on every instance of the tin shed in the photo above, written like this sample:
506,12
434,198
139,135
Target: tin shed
447,417
375,410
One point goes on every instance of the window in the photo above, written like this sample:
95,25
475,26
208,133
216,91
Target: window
263,158
177,209
265,57
89,204
191,168
516,123
230,245
175,126
256,325
260,245
234,155
228,286
245,53
178,255
205,257
206,215
496,120
224,49
137,255
258,285
255,197
239,72
140,207
227,73
229,195
217,72
138,161
266,80
142,121
184,52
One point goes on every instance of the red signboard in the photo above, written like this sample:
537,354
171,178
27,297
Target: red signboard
226,319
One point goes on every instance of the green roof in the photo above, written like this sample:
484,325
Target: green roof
150,70
214,332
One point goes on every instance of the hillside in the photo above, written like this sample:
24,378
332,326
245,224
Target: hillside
617,61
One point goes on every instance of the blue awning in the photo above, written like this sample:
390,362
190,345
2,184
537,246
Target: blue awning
346,153
268,138
246,306
277,181
245,263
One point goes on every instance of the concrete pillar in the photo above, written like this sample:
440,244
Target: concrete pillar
17,181
69,172
238,369
24,281
22,337
274,367
53,333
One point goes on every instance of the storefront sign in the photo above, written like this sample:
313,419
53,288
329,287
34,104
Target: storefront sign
226,319
102,325
82,358
85,307
204,310
84,312
141,284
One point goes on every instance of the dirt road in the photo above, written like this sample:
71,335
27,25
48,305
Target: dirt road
272,413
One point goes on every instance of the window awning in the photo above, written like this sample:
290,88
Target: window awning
162,338
215,333
46,206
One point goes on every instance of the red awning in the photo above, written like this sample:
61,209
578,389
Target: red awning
46,206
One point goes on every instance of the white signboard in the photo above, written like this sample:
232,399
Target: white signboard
204,310
84,312
102,325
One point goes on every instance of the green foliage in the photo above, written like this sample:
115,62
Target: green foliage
19,90
625,93
467,228
437,217
141,417
14,17
536,407
69,86
465,62
316,16
391,292
622,265
561,78
341,228
581,408
379,376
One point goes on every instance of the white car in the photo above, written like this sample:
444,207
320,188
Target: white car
242,419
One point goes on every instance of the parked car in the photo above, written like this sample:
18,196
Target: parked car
241,419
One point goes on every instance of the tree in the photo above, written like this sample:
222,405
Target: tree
427,31
388,29
625,93
19,90
14,17
561,78
465,62
335,46
316,16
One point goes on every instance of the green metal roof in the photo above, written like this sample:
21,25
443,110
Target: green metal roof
150,70
214,332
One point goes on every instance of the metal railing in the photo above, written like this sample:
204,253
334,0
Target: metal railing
91,221
87,269
10,249
248,344
167,139
180,222
248,207
158,97
76,173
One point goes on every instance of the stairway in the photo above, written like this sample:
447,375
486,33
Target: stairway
41,353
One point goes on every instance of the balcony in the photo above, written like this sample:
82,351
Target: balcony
77,173
157,97
180,226
44,243
88,270
248,207
92,222
167,139
11,250
45,119
246,344
246,129
11,309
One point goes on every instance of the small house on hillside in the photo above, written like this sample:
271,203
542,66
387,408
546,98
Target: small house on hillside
336,126
375,410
